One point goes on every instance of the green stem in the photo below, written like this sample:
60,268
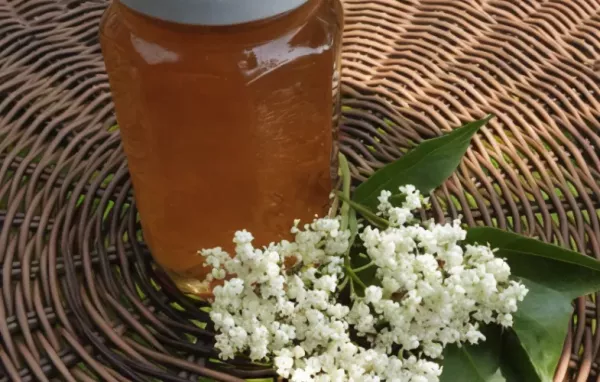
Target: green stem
364,267
353,276
365,212
346,179
343,284
348,216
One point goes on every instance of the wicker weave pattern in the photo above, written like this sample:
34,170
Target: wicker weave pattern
73,268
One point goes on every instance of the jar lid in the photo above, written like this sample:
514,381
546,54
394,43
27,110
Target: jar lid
212,12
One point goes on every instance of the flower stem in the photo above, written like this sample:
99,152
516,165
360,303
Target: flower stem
354,276
348,215
364,267
345,173
343,284
365,212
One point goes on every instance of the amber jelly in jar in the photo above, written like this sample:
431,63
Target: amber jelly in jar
228,114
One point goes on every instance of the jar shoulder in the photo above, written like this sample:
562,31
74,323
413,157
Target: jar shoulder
145,41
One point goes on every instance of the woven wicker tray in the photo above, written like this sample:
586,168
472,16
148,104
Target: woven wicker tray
79,299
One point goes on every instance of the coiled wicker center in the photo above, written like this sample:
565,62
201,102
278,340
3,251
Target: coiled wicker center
80,299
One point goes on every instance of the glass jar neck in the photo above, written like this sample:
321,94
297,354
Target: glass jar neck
212,12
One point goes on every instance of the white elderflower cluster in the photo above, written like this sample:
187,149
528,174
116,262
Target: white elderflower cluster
282,302
432,291
266,307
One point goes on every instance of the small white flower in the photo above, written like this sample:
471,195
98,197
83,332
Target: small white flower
243,237
383,198
373,294
301,375
505,320
327,283
474,336
399,216
284,363
218,274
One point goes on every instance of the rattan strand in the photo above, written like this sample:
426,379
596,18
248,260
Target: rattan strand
79,298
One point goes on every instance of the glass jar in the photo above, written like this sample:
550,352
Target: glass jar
226,119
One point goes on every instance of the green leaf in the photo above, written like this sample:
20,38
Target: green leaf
515,363
427,166
487,361
540,326
475,363
554,276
